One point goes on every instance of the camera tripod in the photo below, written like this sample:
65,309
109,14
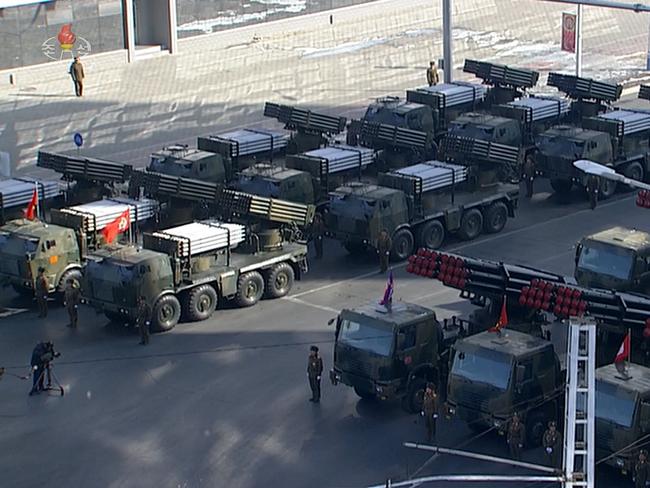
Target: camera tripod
47,369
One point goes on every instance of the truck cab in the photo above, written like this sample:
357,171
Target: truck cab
27,245
487,127
390,353
276,182
400,113
179,160
614,259
622,414
358,212
492,376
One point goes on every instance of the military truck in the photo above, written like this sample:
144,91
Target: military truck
622,415
391,353
421,204
307,177
61,246
492,376
189,270
181,160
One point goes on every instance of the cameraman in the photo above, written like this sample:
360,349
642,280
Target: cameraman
42,354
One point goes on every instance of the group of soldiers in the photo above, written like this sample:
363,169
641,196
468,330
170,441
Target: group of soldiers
72,299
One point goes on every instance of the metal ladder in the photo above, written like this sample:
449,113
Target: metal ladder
580,404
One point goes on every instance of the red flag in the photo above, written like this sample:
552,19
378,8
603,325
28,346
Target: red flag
30,211
119,225
388,292
623,351
503,318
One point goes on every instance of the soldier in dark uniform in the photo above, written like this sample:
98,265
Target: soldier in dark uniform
430,411
142,320
528,175
42,290
593,189
515,437
72,297
432,74
77,73
317,233
38,368
314,370
552,443
384,245
641,473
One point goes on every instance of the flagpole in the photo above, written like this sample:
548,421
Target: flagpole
38,206
629,354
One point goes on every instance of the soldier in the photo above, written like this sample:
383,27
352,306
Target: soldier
77,73
430,411
593,188
552,442
71,298
384,245
515,437
641,474
432,74
317,233
528,175
142,318
41,290
314,370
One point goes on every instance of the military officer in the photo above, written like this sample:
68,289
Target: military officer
593,189
72,297
384,245
528,175
142,320
641,473
314,371
42,290
317,233
515,436
552,443
432,74
430,411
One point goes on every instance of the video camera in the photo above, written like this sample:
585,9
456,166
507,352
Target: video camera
48,353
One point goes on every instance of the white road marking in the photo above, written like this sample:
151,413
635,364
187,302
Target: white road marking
8,312
313,305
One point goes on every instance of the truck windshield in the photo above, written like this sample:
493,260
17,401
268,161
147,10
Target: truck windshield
351,206
112,272
614,404
561,146
492,368
606,259
366,337
480,132
18,246
259,186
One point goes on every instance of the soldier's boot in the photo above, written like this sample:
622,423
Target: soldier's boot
529,188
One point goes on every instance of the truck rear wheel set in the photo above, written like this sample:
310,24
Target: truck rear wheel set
201,303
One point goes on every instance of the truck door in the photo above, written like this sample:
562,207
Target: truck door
406,348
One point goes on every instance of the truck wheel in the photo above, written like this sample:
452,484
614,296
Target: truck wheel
495,218
634,171
431,235
364,394
416,395
166,313
607,189
250,287
561,185
535,428
279,280
75,274
201,302
402,245
471,224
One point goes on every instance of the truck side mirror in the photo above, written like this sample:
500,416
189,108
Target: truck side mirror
401,338
330,321
578,251
520,374
644,416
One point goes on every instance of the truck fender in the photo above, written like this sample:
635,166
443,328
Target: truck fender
71,266
162,294
427,372
400,227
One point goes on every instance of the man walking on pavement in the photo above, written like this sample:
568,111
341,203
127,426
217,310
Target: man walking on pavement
641,473
317,233
432,74
552,443
384,245
515,437
42,290
430,411
71,298
593,189
314,371
142,320
77,73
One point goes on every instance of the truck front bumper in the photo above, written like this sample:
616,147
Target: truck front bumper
476,417
384,390
102,306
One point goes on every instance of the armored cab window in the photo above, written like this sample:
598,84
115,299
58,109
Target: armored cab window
502,132
202,167
410,334
385,204
50,244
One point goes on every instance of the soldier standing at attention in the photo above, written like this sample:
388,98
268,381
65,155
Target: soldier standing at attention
432,74
593,188
552,442
641,473
528,175
72,298
317,232
142,318
314,370
384,245
42,290
515,437
430,411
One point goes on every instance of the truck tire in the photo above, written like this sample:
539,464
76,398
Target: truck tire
402,245
561,186
250,288
431,234
166,314
634,171
279,280
201,303
74,273
415,395
471,224
364,394
496,216
535,428
607,189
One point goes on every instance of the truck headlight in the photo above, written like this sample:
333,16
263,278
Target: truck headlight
620,463
452,411
497,423
380,389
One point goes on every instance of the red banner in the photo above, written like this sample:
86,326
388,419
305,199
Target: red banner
569,32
